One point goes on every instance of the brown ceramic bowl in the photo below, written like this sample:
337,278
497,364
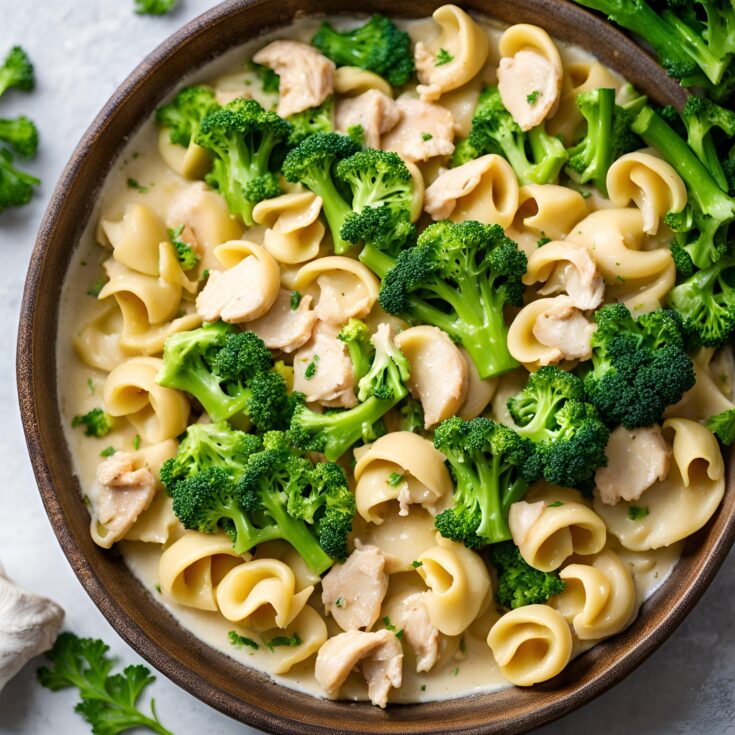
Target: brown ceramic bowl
213,677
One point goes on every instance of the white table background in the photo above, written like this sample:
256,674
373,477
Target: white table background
82,50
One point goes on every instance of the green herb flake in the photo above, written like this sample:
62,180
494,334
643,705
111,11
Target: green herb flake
205,275
136,442
96,287
240,641
423,687
543,240
340,602
443,57
108,452
533,97
311,368
555,504
90,386
158,588
462,645
620,279
426,136
394,479
95,422
295,300
283,640
455,671
636,512
133,184
392,628
416,564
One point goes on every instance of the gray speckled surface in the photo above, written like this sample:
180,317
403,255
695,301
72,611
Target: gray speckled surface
82,50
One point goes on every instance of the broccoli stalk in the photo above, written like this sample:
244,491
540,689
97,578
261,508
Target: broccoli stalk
16,71
247,142
183,116
518,582
571,438
20,134
378,46
703,225
492,467
459,277
379,390
356,336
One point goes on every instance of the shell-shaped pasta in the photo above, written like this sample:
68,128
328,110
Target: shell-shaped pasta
531,644
599,598
642,295
418,190
548,534
135,238
353,81
463,40
310,627
261,594
347,288
429,351
424,476
705,399
681,504
650,183
98,342
550,210
485,189
294,229
524,36
479,391
192,162
191,569
157,413
459,585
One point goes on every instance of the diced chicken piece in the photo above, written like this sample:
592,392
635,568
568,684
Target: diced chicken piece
124,493
439,373
29,625
284,328
635,460
521,517
323,371
241,293
565,328
380,655
425,130
440,198
307,77
578,276
418,631
353,592
529,85
373,110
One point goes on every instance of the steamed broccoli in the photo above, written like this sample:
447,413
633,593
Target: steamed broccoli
639,366
722,425
492,467
16,71
95,422
706,303
314,120
535,156
16,186
378,46
703,225
570,437
356,335
228,372
154,7
464,152
20,134
411,416
459,277
183,116
518,582
379,390
247,143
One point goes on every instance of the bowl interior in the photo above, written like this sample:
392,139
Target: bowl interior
218,680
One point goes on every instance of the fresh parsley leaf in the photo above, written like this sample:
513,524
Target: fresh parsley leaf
555,504
426,136
283,640
90,386
133,184
394,479
95,422
158,588
455,671
443,57
295,300
340,602
636,512
311,368
108,452
136,442
205,275
542,241
533,96
416,564
238,641
392,628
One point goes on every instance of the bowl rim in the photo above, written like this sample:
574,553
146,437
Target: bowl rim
720,530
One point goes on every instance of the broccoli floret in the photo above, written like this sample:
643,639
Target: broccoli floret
464,152
16,71
313,163
411,416
518,582
723,426
706,303
459,277
183,116
95,422
228,372
377,46
314,120
492,467
20,134
188,257
209,445
535,156
16,186
154,7
247,143
569,435
356,335
639,366
702,226
270,82
379,390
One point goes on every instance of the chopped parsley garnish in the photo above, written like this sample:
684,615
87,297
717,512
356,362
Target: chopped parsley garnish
620,278
416,564
340,602
239,641
542,241
133,184
423,687
311,368
96,287
392,628
90,386
443,57
533,96
636,512
205,275
555,504
394,479
455,671
136,442
158,588
283,640
108,451
462,645
187,256
95,423
295,300
426,136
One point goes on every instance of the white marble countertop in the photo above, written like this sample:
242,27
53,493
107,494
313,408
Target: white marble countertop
82,50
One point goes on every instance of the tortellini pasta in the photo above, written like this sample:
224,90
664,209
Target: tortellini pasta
191,162
550,210
136,238
353,81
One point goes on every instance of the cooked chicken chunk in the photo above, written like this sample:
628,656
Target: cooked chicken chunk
353,592
565,328
307,77
578,276
418,631
380,657
529,85
424,131
241,293
635,460
283,327
374,111
323,370
124,493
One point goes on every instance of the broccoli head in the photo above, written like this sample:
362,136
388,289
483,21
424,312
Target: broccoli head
248,143
356,335
20,134
378,46
95,422
16,186
16,71
459,277
518,582
492,467
639,366
314,120
722,425
183,116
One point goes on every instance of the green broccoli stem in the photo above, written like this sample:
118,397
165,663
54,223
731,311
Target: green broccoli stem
334,207
549,154
542,414
207,389
493,524
378,262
